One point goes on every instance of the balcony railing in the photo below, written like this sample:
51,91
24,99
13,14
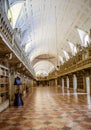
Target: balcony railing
73,64
7,33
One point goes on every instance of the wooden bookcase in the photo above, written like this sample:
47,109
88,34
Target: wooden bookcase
80,84
4,88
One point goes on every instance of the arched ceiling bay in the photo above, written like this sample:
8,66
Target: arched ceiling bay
51,27
43,67
42,57
12,2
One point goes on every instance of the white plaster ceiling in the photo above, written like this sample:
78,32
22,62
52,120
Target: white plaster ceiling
48,25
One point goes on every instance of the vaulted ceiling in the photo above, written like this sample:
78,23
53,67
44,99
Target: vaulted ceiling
49,28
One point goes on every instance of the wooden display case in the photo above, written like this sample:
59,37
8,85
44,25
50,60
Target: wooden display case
4,87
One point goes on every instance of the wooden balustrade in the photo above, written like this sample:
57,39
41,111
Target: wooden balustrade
74,64
7,33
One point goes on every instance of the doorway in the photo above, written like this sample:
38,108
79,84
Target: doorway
75,83
88,84
67,82
62,83
63,86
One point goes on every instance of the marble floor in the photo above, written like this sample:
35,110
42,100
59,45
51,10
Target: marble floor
49,108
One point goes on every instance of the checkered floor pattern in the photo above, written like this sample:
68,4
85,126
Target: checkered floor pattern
49,108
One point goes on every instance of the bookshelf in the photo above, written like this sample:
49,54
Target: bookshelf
4,88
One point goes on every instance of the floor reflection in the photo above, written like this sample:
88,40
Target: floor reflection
89,100
50,108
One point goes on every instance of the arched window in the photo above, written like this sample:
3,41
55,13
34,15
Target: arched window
86,40
84,37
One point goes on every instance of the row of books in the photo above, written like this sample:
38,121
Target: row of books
3,98
3,72
3,80
4,88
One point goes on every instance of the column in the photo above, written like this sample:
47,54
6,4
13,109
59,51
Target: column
55,82
11,86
